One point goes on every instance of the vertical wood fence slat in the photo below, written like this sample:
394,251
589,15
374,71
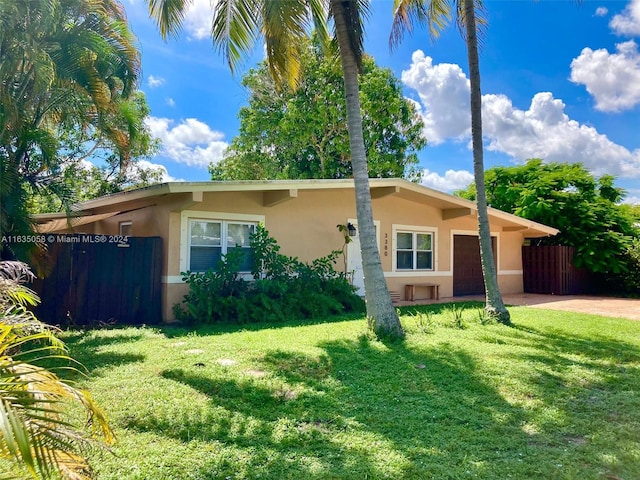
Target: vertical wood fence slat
93,281
549,269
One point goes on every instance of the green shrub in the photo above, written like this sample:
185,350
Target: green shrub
626,282
282,288
631,277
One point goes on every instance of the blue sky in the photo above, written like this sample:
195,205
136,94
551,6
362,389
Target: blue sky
560,81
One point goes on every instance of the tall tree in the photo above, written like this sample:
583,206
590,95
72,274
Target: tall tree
283,25
348,19
436,13
89,166
64,65
568,197
302,133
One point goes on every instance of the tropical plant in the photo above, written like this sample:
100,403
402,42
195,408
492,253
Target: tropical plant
436,13
37,435
65,65
89,166
282,288
283,25
301,133
348,18
568,197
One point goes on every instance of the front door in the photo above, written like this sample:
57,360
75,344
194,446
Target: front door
354,259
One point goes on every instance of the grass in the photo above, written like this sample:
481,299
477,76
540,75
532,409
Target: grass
555,397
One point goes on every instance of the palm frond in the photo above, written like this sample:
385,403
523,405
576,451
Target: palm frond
435,14
235,28
17,272
35,433
319,15
481,21
284,25
169,15
355,13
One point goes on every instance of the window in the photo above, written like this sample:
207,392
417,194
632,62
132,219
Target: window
414,251
126,229
209,240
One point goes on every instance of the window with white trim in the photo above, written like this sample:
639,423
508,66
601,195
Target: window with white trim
125,228
414,250
209,240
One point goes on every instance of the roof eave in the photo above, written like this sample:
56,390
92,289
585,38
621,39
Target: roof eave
115,199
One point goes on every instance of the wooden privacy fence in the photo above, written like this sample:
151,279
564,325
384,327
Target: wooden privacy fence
549,269
95,279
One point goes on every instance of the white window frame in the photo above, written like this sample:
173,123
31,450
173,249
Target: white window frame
414,229
224,218
125,224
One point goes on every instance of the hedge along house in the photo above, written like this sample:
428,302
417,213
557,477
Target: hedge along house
426,238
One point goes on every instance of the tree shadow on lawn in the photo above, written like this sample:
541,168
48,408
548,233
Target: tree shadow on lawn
364,410
286,428
87,349
177,330
593,384
441,308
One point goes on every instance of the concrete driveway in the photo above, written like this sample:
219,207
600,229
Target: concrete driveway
605,306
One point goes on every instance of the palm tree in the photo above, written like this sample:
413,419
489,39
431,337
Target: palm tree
436,13
64,65
237,25
36,434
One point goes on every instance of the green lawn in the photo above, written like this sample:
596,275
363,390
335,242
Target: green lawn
557,397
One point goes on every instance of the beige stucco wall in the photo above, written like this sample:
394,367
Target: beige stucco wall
305,227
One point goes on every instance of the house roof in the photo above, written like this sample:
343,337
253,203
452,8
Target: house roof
276,191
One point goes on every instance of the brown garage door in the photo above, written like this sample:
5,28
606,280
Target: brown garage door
467,265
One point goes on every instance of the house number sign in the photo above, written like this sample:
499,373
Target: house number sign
386,244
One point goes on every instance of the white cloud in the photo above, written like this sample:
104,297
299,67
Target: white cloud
452,180
628,22
612,78
165,177
86,165
601,11
171,102
631,200
191,142
155,82
444,97
543,131
197,20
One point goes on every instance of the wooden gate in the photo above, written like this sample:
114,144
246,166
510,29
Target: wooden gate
95,279
549,269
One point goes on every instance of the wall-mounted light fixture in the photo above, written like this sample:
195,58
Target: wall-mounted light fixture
352,229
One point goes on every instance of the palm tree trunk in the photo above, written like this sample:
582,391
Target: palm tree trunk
380,308
495,306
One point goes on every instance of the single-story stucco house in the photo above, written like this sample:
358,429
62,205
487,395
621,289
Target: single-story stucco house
424,236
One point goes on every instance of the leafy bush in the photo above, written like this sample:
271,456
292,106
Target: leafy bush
568,197
628,281
282,287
